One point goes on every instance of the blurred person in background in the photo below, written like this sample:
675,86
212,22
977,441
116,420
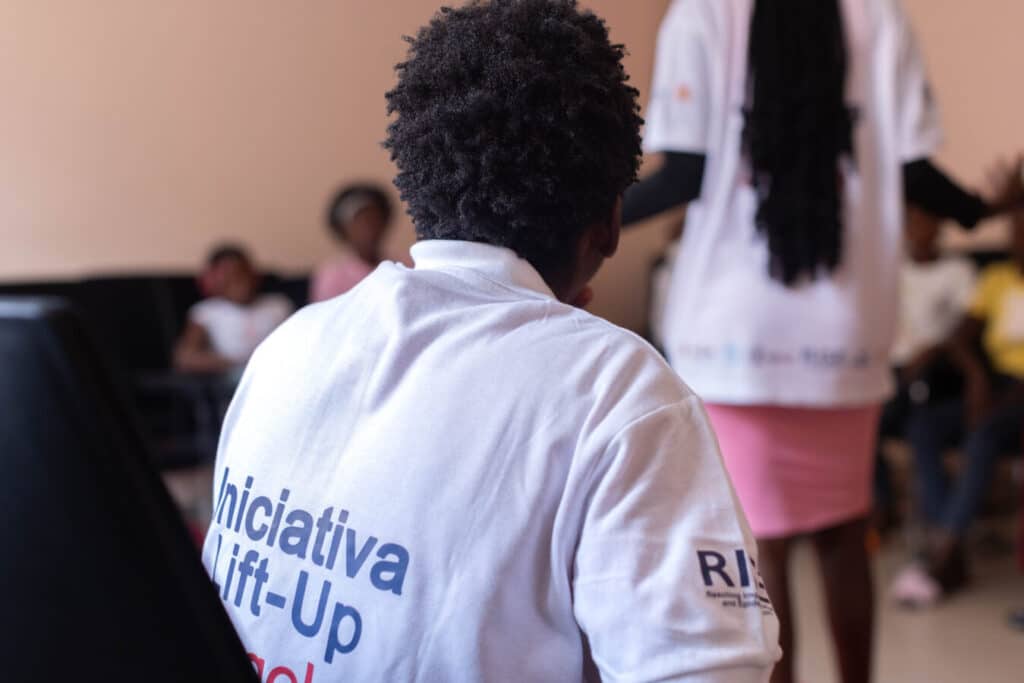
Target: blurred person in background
225,327
987,423
936,291
793,127
358,217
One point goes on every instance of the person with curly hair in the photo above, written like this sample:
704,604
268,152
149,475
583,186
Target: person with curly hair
451,473
792,130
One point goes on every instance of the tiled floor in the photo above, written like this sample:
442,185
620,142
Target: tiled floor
963,641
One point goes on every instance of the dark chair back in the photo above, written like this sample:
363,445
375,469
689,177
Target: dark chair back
99,577
133,317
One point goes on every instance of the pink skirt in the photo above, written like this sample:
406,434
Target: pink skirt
798,470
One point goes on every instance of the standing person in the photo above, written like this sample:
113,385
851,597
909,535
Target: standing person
792,123
358,217
452,474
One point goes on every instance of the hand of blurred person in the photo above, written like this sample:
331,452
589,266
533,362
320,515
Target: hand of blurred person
193,353
1006,185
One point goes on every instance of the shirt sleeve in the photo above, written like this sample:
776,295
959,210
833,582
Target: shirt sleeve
932,190
665,583
678,111
920,126
676,183
201,313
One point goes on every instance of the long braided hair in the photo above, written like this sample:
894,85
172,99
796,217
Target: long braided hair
797,130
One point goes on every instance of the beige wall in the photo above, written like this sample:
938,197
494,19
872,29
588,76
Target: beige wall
133,134
974,55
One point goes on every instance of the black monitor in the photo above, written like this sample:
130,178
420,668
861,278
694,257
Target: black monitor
99,579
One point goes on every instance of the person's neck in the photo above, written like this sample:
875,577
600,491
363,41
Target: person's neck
371,256
560,283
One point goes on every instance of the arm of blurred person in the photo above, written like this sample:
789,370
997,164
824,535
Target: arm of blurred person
963,349
678,117
194,353
665,581
928,187
677,182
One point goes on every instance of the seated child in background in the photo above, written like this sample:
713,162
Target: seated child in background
936,293
987,422
226,327
358,217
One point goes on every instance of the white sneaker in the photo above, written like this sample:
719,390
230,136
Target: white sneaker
915,587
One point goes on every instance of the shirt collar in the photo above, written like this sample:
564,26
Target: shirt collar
494,263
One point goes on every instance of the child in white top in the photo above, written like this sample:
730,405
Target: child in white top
226,327
936,292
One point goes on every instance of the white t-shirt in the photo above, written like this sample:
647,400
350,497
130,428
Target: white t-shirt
447,475
236,330
935,297
735,334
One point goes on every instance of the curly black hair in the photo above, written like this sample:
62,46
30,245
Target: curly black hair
798,129
370,192
515,126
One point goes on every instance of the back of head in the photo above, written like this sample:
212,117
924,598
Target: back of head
515,126
797,130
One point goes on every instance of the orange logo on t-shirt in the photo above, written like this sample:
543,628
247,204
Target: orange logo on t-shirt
683,92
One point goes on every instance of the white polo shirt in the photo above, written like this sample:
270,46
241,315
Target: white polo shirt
448,475
735,334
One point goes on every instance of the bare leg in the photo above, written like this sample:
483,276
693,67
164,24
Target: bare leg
846,572
774,566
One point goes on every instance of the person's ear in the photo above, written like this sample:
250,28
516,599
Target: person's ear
606,237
